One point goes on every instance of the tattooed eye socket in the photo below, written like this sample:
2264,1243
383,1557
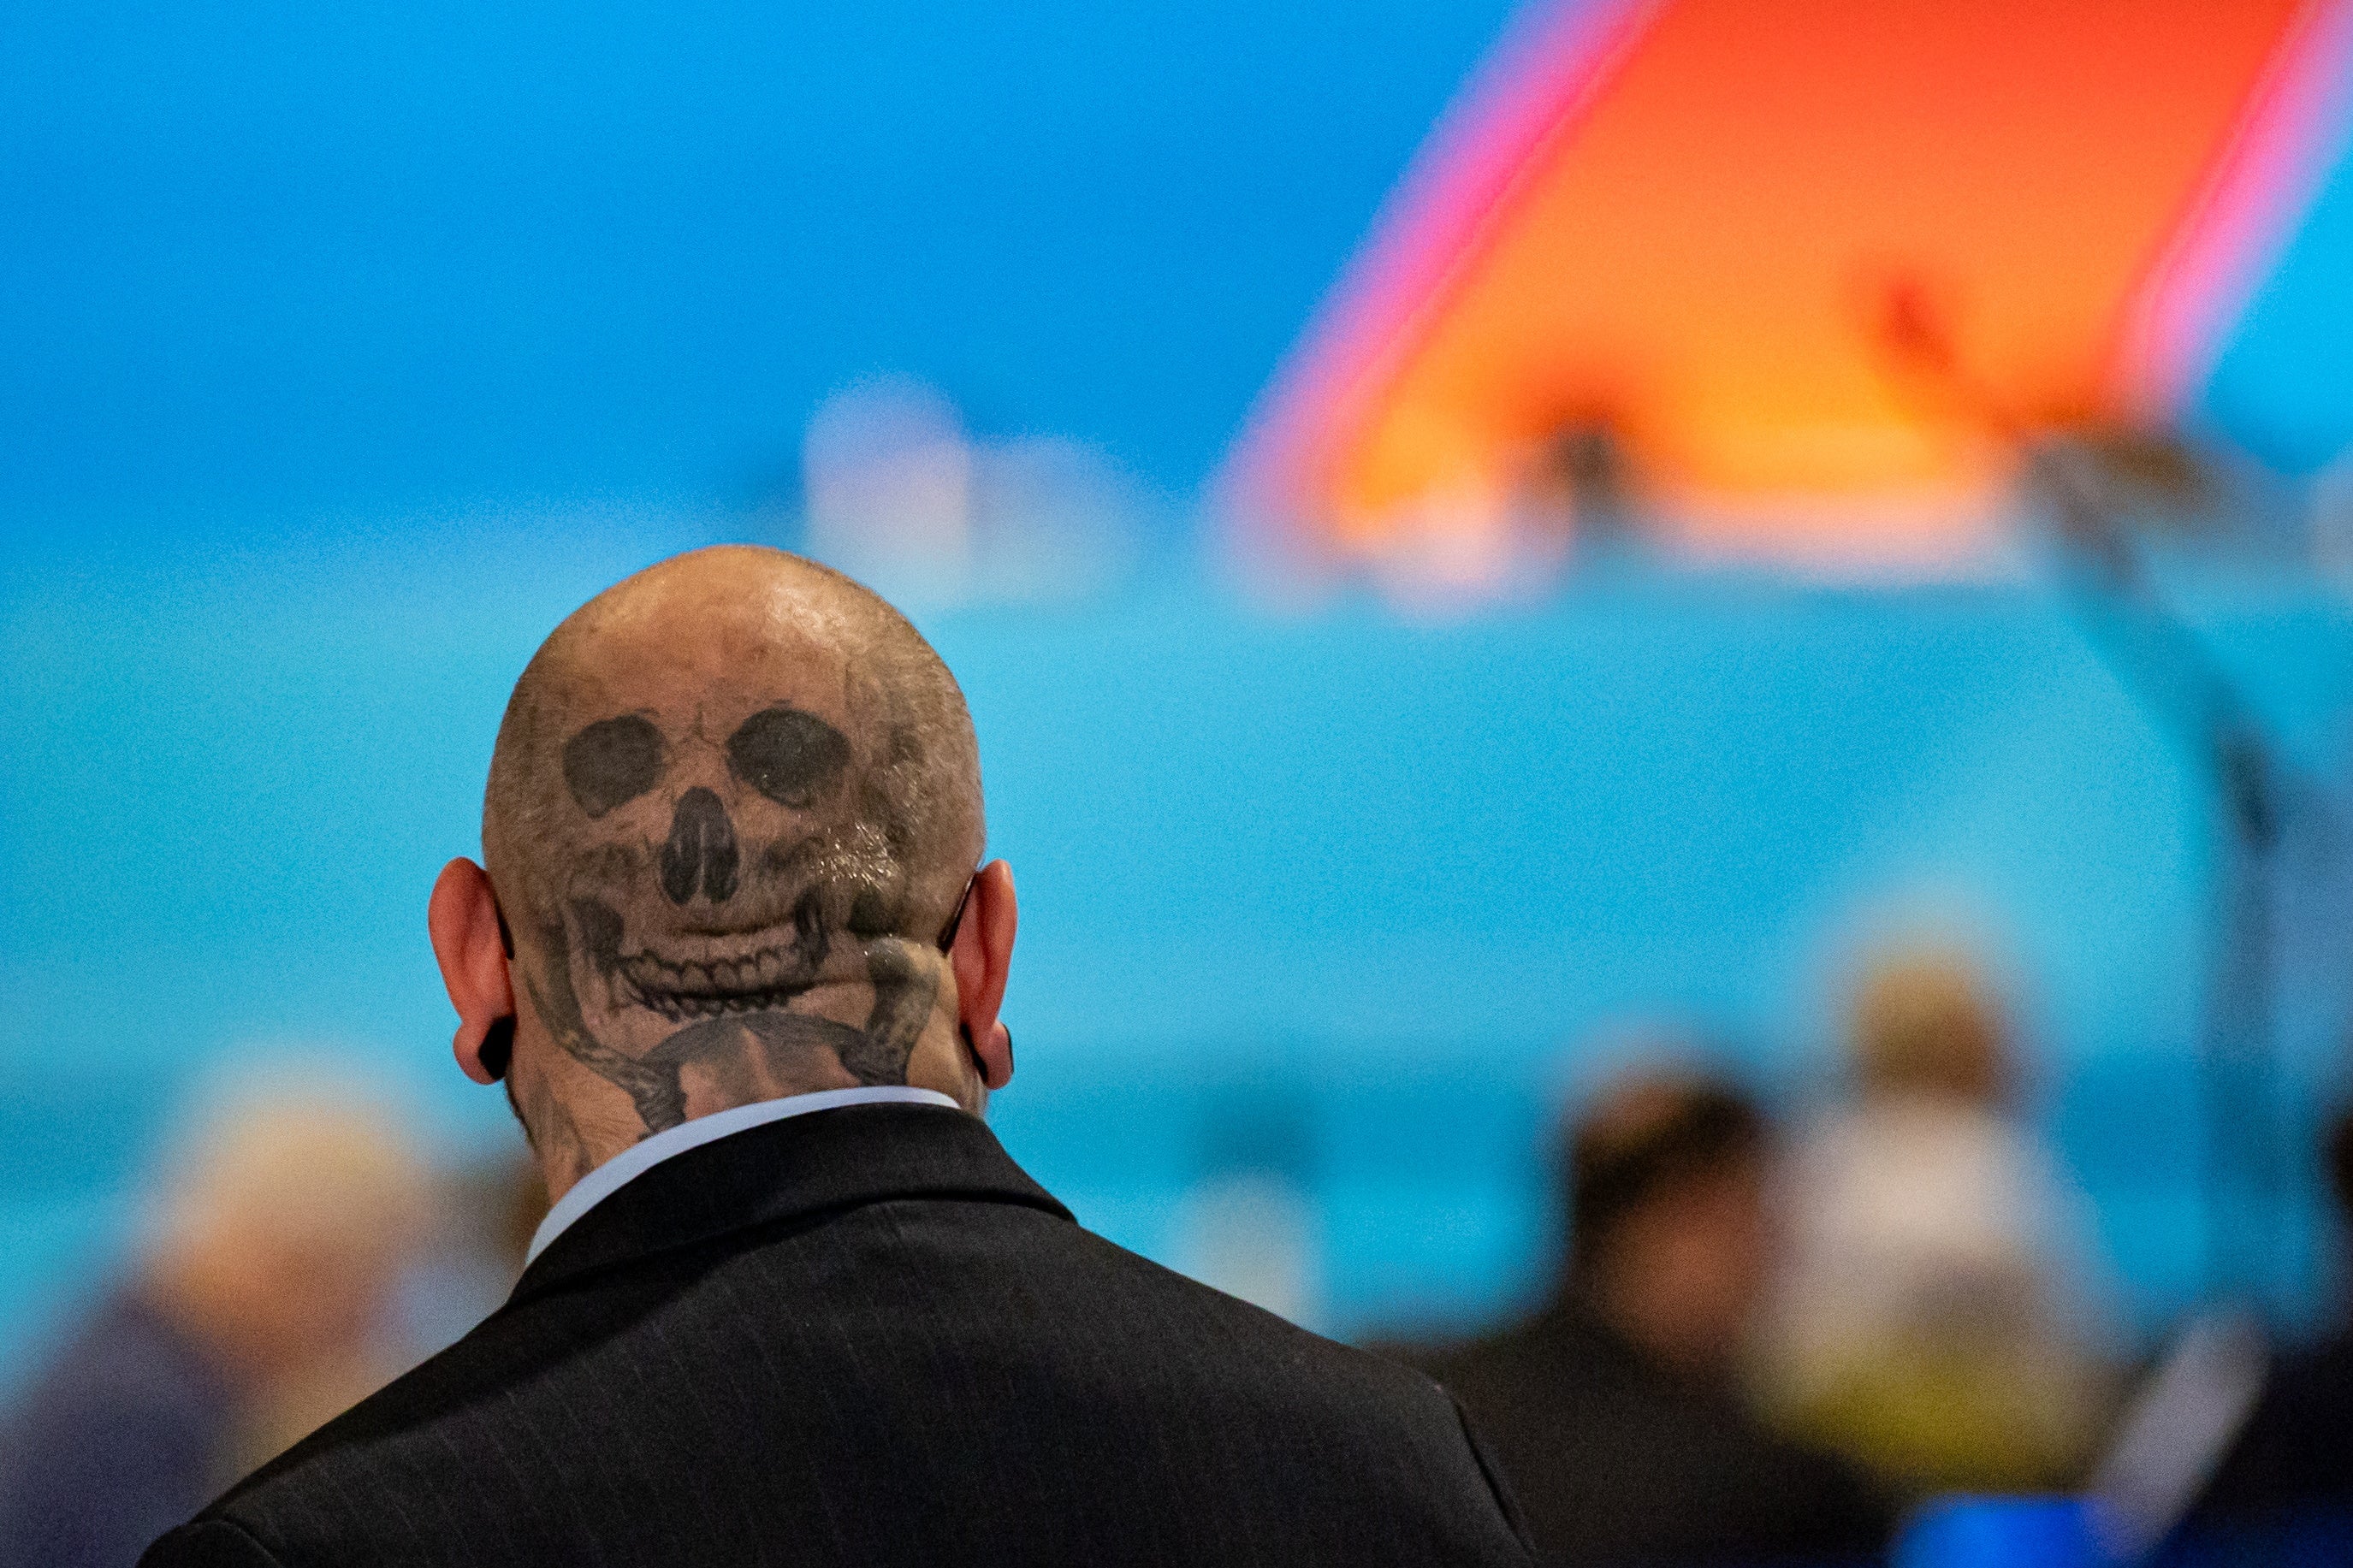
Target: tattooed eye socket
612,761
789,756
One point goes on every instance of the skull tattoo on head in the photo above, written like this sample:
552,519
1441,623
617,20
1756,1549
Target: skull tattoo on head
721,891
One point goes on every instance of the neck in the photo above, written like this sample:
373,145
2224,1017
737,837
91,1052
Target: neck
578,1118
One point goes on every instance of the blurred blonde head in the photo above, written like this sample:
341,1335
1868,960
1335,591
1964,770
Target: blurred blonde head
284,1218
1926,1023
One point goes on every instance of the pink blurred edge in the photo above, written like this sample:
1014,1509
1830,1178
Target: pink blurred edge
1533,88
2242,219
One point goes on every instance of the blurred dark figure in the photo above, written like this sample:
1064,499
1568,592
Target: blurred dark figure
250,1317
474,1254
1615,1411
1935,1322
2294,1455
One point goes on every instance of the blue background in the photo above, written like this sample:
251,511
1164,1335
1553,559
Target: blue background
341,354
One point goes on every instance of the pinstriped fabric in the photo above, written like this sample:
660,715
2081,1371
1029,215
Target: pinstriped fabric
863,1337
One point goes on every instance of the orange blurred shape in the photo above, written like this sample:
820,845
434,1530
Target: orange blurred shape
1817,248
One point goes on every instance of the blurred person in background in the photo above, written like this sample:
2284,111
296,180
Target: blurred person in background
1936,1322
738,957
254,1312
479,1242
1616,1412
2291,1464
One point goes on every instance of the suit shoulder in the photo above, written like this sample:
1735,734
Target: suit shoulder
208,1544
989,1347
1325,1365
413,1411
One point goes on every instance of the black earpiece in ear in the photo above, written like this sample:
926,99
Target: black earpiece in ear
498,1046
498,1040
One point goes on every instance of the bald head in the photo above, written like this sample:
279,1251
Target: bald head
734,803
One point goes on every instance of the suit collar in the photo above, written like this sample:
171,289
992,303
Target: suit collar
800,1168
672,1142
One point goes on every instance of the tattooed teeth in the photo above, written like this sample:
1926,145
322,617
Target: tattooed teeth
682,1006
712,988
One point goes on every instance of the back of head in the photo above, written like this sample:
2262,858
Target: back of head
1644,1139
315,1168
1670,1243
285,1214
1925,1024
735,801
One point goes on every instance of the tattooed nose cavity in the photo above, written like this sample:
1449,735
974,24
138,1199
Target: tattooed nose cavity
702,849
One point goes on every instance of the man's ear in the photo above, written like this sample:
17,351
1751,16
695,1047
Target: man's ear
469,945
983,956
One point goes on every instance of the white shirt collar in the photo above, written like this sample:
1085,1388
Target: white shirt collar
638,1159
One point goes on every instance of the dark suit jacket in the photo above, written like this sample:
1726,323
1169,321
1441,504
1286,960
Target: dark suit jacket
2282,1493
864,1336
2296,1450
1619,1461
